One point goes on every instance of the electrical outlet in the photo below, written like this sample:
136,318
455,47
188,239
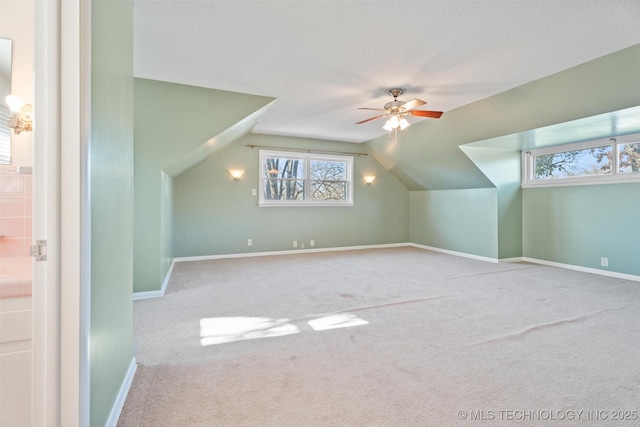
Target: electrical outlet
249,242
604,262
302,246
312,243
295,243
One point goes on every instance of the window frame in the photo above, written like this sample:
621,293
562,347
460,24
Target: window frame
615,177
308,157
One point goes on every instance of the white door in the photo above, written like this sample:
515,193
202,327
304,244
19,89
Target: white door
60,299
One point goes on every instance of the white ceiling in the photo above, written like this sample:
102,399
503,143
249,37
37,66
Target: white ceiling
322,59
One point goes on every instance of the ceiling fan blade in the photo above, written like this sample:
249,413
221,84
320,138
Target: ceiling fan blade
369,119
376,109
424,113
414,103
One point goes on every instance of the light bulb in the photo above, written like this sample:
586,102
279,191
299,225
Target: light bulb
14,102
391,124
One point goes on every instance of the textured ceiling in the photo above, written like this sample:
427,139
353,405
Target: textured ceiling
322,60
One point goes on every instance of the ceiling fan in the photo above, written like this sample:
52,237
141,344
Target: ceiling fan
395,111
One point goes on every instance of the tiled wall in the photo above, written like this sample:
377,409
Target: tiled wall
15,232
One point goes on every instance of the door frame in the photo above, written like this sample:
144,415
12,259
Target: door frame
61,297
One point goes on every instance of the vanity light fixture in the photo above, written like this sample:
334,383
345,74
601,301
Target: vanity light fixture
21,118
236,173
369,179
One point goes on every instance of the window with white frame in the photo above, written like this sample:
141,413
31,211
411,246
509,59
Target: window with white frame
305,179
600,161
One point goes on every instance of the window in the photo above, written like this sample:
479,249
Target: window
305,179
591,162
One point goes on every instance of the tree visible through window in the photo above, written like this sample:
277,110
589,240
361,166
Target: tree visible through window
305,179
590,161
604,160
284,179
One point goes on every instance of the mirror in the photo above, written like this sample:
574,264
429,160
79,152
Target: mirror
5,89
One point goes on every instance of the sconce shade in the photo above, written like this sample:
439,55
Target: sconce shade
236,173
369,178
14,102
21,118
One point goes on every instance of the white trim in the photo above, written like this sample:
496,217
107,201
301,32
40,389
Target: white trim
291,252
307,157
156,294
161,292
121,397
47,333
516,259
85,211
461,254
583,269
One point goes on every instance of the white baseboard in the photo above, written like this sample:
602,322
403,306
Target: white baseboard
516,259
116,409
583,269
289,252
460,254
159,293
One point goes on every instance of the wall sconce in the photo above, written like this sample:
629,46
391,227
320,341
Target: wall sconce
236,173
369,179
21,118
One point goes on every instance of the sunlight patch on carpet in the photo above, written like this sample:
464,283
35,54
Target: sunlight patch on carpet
220,330
344,320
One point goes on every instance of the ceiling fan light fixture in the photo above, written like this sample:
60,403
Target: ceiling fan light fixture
395,112
387,126
392,123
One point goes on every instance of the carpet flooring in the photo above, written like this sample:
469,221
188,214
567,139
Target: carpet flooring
385,337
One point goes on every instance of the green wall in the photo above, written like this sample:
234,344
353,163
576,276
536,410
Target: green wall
166,220
174,124
456,220
111,201
429,157
216,215
188,206
580,224
502,167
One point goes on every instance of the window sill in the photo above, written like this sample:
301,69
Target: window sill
598,180
304,204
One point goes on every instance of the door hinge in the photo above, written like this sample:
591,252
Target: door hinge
39,250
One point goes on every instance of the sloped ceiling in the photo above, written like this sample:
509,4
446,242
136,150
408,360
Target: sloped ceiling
428,155
322,59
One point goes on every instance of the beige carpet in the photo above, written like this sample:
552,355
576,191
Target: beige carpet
442,341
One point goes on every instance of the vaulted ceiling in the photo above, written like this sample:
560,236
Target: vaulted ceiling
322,59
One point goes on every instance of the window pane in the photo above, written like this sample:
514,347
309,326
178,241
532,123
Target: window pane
629,157
586,162
283,168
328,190
328,170
284,189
